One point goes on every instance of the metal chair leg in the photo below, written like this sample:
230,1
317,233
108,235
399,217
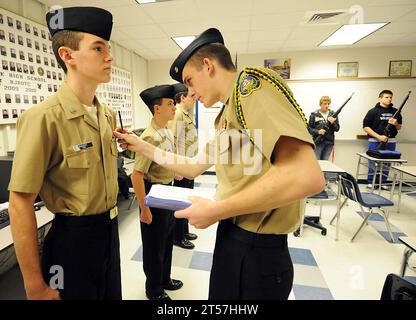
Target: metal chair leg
363,211
407,253
386,221
362,225
342,205
131,201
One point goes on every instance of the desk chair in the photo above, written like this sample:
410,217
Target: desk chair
397,288
350,190
325,195
314,221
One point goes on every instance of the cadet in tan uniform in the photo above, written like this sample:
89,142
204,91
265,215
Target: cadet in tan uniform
65,151
186,139
265,167
156,224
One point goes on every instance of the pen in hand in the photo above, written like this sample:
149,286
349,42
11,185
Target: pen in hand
121,122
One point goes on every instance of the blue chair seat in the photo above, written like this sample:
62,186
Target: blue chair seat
371,200
321,195
350,190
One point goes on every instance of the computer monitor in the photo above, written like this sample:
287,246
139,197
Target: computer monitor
5,172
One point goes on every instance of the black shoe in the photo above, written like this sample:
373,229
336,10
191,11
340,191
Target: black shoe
184,243
163,296
191,236
173,285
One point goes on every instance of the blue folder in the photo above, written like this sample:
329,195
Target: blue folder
167,204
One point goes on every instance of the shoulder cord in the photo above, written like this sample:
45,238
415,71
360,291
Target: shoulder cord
275,83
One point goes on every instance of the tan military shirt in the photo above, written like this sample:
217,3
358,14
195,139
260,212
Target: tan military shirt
163,139
266,108
62,154
185,133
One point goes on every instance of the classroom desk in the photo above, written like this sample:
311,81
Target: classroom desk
329,167
43,217
377,165
402,170
410,243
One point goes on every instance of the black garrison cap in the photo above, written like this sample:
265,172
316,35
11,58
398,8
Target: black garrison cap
211,35
157,92
91,20
179,88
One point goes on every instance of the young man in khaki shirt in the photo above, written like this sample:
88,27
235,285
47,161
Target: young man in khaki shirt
265,166
186,139
65,151
156,224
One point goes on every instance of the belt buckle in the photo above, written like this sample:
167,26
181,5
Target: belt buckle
113,213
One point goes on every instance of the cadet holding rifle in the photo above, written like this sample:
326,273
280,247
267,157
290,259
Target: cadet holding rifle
322,133
374,124
323,124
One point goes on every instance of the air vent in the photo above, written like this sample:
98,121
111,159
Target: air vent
324,17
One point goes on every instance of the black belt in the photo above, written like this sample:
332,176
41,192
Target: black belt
252,238
87,220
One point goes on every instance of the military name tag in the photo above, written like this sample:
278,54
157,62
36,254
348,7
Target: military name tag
82,146
113,213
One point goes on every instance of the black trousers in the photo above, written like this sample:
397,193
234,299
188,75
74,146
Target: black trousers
157,240
181,225
87,250
248,265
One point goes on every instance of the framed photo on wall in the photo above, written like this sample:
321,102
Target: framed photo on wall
400,68
280,65
347,69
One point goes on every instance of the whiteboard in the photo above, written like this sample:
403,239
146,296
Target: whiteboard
307,93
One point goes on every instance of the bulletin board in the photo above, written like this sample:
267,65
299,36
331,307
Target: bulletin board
29,72
117,94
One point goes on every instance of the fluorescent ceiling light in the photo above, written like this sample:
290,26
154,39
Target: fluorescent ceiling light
183,42
145,1
351,33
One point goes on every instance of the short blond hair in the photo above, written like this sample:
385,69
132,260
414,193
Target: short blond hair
324,99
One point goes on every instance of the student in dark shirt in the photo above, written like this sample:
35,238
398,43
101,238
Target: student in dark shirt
374,123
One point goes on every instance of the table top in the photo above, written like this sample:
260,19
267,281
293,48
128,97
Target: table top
43,217
328,166
364,155
409,242
411,170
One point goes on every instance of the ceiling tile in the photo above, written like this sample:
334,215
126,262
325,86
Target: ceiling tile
131,15
175,29
171,11
386,13
159,43
149,31
225,8
270,35
276,21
